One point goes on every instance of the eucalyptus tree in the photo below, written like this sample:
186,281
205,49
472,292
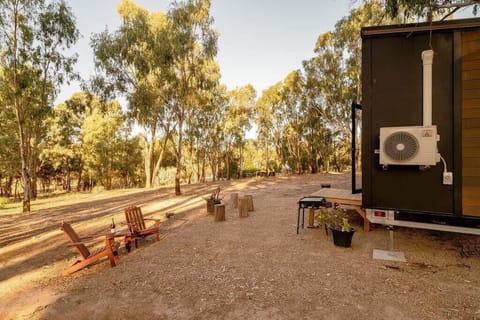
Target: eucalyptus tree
33,36
102,143
200,126
194,46
214,142
293,113
269,133
62,144
317,132
135,60
9,155
61,147
335,72
238,116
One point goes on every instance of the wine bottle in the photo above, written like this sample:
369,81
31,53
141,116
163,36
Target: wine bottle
112,226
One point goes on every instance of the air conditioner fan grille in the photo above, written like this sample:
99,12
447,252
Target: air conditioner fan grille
401,146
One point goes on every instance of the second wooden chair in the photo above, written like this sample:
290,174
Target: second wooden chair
137,226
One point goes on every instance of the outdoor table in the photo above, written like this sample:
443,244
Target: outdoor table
345,197
127,237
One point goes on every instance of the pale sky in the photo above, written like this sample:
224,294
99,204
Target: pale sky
260,41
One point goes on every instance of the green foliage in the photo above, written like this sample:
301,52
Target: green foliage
237,121
98,189
136,60
102,143
165,176
305,118
333,217
429,10
3,202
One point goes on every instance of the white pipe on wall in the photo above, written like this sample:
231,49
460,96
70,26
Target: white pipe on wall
427,59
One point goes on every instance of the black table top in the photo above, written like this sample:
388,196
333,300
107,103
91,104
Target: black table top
311,201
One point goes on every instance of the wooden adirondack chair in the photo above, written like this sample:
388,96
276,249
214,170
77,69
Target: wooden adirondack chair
88,257
136,224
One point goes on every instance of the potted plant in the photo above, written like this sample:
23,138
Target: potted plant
212,200
336,220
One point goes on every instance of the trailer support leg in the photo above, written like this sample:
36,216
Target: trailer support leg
391,245
391,254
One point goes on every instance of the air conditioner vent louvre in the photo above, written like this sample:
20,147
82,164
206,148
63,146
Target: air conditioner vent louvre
401,146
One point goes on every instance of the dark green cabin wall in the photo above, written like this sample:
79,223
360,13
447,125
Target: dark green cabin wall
392,91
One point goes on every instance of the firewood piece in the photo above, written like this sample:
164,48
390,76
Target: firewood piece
242,207
219,212
249,199
234,199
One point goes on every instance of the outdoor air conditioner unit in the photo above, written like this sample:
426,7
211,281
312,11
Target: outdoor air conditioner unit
409,145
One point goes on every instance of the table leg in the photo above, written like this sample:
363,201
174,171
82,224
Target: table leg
366,223
303,218
298,219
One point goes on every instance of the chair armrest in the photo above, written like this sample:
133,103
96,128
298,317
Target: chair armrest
157,221
74,244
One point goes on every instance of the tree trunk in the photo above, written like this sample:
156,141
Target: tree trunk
159,161
178,153
79,181
240,162
267,157
147,161
213,165
8,187
227,164
68,178
24,159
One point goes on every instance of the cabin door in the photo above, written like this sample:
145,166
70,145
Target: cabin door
356,149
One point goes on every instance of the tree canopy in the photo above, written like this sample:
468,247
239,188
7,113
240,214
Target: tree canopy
180,124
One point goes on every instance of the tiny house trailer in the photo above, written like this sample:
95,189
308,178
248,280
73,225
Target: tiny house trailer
421,125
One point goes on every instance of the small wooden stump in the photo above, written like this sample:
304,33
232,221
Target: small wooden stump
242,207
234,199
249,199
219,212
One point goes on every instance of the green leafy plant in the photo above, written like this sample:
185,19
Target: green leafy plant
3,202
335,218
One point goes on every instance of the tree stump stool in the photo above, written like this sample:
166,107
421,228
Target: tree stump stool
219,212
234,199
242,207
249,199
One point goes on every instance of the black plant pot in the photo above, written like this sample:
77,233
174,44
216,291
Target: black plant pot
211,205
342,238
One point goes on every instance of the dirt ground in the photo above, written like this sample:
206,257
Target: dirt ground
244,268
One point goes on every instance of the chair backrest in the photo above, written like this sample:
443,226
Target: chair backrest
73,236
134,218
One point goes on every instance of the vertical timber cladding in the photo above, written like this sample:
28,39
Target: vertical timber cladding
471,123
393,98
